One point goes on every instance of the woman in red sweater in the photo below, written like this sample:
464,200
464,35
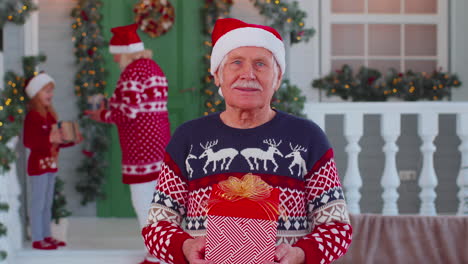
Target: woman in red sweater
44,143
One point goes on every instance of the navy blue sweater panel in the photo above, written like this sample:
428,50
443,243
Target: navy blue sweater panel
202,143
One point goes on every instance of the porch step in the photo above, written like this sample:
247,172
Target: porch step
70,256
91,240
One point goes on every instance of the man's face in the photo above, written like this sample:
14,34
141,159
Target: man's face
247,78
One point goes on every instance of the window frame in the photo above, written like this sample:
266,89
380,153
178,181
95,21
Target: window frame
439,19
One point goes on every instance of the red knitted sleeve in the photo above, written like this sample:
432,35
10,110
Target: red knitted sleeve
327,213
163,235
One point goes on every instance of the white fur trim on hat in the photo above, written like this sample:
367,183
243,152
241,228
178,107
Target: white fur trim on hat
245,37
36,84
135,47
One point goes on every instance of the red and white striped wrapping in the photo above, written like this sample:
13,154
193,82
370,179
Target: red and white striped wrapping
242,221
235,240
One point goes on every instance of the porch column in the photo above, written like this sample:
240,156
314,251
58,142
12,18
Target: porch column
31,33
428,129
2,70
353,129
462,179
15,233
390,129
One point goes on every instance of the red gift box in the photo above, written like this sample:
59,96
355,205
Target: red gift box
242,221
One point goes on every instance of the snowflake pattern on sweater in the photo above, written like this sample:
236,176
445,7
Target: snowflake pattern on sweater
289,153
138,108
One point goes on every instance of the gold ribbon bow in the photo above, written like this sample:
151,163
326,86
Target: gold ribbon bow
250,186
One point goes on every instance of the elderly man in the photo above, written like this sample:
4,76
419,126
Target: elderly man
289,153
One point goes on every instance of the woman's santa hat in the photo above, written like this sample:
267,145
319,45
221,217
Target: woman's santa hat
125,40
230,33
36,83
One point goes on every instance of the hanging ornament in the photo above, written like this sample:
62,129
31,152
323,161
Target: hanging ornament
155,17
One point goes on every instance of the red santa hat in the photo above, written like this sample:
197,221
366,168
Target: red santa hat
35,84
230,33
125,40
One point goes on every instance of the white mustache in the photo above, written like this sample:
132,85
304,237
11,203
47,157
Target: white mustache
247,84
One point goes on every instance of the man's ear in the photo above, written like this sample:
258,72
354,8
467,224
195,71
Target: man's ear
278,81
216,79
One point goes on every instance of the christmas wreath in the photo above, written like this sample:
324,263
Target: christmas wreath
155,17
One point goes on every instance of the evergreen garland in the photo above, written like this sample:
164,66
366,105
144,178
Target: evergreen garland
289,99
90,80
286,18
370,85
13,108
15,11
212,10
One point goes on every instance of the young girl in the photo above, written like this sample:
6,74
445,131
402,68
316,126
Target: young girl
44,143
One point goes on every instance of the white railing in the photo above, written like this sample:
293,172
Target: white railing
9,193
390,113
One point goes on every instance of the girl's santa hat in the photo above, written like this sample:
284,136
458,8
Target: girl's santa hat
35,84
230,33
125,40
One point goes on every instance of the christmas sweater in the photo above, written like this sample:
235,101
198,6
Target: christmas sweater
37,130
289,153
138,108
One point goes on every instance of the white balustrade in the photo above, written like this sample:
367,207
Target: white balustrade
428,128
462,179
352,180
390,129
390,112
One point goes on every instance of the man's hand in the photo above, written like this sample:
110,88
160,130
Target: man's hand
194,251
287,254
94,114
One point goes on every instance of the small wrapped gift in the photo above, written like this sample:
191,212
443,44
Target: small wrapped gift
96,101
69,130
242,221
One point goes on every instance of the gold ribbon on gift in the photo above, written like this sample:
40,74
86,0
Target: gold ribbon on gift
250,187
